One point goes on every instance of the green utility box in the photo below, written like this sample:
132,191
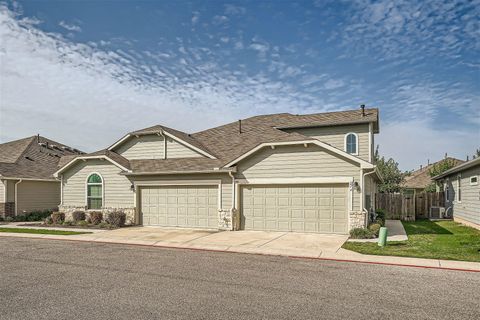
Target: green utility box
382,237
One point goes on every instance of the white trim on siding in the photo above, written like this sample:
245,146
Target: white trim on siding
86,189
318,180
90,158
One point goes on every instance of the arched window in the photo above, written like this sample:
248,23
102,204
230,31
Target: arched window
351,143
94,191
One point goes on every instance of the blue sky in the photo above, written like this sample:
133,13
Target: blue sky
86,72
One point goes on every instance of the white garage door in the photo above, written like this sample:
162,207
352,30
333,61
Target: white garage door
301,208
180,206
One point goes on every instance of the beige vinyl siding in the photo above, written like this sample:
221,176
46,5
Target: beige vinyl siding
117,191
143,147
2,191
370,190
335,136
37,195
469,207
298,162
226,181
178,150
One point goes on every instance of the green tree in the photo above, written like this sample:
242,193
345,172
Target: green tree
476,154
392,176
437,169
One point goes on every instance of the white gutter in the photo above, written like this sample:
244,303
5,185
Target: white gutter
362,202
61,189
16,196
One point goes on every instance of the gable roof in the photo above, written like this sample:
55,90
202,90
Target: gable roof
421,178
223,145
180,136
34,157
459,168
228,143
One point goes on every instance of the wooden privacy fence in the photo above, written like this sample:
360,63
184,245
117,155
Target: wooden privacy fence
408,207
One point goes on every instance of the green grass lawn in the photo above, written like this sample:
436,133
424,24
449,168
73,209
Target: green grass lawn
446,240
40,231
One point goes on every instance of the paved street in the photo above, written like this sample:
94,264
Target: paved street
46,279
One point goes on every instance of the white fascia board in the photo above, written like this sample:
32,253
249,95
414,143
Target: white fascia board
188,145
90,158
363,163
28,179
119,142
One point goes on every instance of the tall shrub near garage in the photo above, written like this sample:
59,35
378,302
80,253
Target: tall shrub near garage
96,217
116,218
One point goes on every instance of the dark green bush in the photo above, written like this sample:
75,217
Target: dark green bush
96,217
33,216
380,217
104,225
361,233
68,223
116,218
78,216
58,217
9,219
374,228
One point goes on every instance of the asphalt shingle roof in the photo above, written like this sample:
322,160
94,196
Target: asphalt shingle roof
34,157
421,178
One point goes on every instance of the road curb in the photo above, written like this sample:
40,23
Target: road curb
251,253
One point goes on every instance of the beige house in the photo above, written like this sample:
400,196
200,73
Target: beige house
308,173
462,192
26,175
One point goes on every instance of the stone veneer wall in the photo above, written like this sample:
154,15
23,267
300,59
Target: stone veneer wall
129,212
357,219
7,209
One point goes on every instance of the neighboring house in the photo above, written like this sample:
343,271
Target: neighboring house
462,191
419,179
26,175
307,173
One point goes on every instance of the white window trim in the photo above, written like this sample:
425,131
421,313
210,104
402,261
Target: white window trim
473,183
86,191
345,143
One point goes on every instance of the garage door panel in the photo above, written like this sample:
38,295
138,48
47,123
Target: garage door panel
302,208
180,206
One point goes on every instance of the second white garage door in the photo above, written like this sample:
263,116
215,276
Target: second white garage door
180,206
301,208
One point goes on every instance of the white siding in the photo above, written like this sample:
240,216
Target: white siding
298,162
143,147
335,136
37,195
469,207
117,191
178,150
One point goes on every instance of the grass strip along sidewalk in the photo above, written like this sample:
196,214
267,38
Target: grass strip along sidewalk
446,240
41,231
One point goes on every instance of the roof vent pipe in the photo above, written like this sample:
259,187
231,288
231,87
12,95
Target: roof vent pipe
240,126
362,106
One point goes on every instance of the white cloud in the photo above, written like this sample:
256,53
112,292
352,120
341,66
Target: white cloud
70,26
413,143
231,9
332,84
218,20
195,17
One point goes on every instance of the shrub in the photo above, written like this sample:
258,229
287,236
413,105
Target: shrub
68,223
104,225
9,219
380,219
375,228
361,233
96,217
78,215
48,220
82,223
116,218
58,217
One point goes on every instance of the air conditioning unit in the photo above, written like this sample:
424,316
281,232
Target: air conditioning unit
437,213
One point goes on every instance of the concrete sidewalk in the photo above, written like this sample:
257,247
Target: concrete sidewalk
298,245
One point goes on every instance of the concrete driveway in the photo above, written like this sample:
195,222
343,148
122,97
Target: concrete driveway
278,243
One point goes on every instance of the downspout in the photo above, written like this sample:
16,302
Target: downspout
16,196
61,189
164,145
364,210
232,209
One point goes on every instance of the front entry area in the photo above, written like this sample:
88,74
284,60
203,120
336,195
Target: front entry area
318,208
180,206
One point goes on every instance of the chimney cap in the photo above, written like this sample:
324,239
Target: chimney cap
362,106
